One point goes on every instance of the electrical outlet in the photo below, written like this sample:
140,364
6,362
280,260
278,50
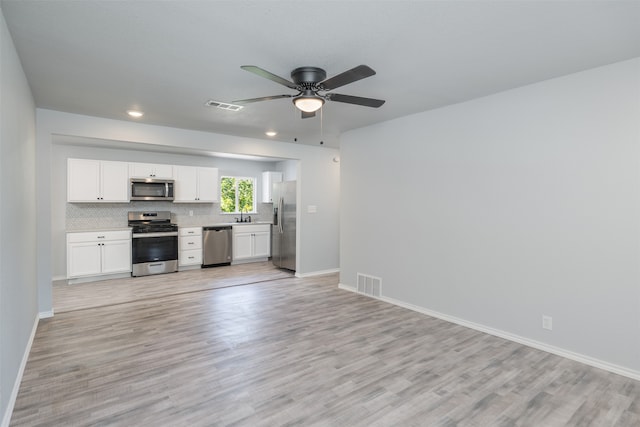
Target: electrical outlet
547,323
190,213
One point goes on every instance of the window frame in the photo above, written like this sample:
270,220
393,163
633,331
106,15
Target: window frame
254,208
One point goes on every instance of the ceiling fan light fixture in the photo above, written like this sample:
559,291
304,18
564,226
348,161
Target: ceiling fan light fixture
308,104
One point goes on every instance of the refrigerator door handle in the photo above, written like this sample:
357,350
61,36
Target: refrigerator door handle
280,214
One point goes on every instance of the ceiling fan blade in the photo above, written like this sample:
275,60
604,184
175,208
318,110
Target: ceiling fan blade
264,98
367,102
306,115
358,73
267,75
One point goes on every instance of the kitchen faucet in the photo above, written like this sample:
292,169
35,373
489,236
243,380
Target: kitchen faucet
247,219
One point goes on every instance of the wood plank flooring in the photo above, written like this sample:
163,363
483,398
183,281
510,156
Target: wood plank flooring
117,291
301,352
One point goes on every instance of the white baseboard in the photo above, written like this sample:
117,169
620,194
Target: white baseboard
318,273
45,314
247,261
16,385
577,357
189,267
90,279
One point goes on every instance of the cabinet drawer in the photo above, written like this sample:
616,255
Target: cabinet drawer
190,242
251,228
191,257
190,231
97,236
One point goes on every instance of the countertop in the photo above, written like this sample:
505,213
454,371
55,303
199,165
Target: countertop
98,230
220,224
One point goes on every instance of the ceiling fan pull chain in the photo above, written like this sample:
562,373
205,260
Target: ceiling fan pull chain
321,126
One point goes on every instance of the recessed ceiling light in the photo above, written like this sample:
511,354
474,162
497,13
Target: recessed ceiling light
271,133
136,114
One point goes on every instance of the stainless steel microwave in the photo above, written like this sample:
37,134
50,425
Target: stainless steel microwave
151,189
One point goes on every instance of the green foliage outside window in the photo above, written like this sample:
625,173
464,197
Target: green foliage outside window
236,194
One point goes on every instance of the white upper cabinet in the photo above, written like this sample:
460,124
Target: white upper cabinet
195,184
268,178
150,170
97,181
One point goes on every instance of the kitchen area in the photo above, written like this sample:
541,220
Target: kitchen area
147,219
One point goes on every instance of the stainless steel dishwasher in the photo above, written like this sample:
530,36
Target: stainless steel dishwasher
216,246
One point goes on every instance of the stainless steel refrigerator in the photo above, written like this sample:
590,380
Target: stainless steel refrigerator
283,231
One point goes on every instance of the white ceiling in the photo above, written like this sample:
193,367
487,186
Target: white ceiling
168,58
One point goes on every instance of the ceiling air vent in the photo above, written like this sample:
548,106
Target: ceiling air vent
223,105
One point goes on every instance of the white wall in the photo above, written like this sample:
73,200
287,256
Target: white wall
318,181
289,169
18,291
506,208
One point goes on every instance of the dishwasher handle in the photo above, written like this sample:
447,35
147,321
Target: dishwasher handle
217,228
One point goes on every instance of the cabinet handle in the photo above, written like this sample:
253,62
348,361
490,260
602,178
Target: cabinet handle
191,257
100,237
190,243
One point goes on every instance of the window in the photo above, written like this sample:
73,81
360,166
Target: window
237,194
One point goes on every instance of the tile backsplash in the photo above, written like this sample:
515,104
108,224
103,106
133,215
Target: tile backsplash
96,216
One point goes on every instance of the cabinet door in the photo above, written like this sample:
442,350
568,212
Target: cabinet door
163,171
208,185
83,259
140,170
115,182
186,184
268,178
150,170
116,256
242,246
83,180
261,244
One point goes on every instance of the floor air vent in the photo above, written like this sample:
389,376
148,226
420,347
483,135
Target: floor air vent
369,285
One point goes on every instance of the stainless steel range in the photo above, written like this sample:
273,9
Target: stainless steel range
154,247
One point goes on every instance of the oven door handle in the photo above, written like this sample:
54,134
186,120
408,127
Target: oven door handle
161,234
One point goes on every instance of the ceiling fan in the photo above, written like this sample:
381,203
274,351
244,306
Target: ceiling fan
309,82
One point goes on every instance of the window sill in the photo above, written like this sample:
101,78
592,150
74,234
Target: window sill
238,213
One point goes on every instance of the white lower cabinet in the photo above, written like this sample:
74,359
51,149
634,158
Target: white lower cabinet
251,242
98,253
190,246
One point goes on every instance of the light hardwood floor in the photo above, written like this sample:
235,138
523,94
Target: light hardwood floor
290,351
